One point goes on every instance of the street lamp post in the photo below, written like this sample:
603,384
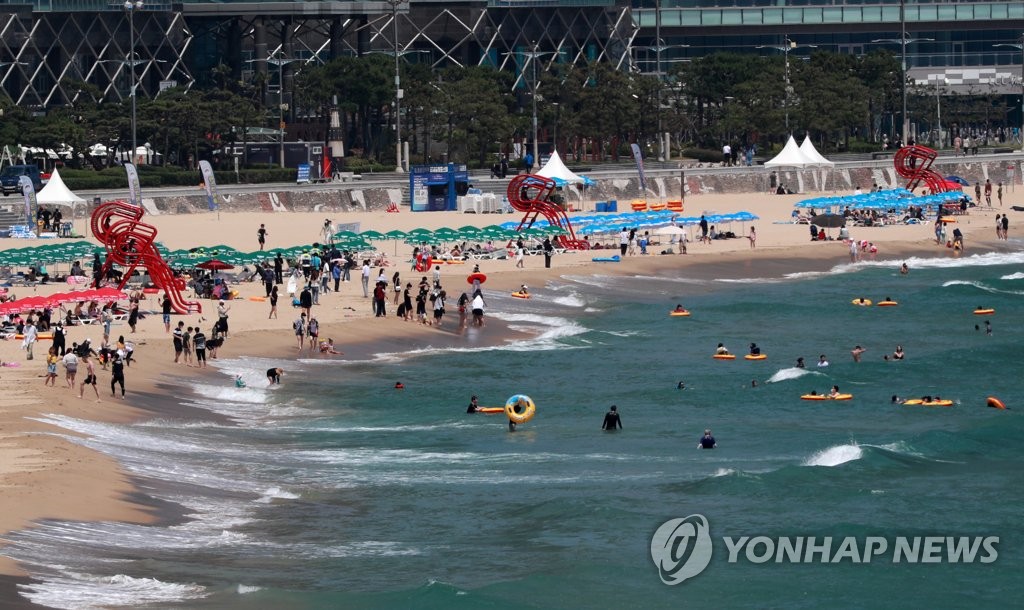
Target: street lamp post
938,111
130,6
280,62
1020,47
788,46
903,41
398,87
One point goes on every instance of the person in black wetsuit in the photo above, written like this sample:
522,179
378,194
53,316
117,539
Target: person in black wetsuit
274,375
473,406
707,441
612,419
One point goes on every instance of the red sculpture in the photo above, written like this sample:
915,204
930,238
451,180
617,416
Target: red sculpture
130,243
529,193
914,163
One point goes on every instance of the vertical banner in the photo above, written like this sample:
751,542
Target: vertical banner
28,191
209,183
640,168
134,192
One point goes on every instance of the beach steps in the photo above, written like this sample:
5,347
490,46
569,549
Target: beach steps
11,215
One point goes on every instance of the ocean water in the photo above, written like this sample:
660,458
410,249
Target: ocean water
335,490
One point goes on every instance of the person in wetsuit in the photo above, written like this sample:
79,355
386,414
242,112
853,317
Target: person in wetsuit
707,441
612,419
473,406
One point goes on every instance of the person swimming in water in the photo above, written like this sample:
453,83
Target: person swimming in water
681,385
612,419
473,406
707,441
800,362
834,392
898,354
904,269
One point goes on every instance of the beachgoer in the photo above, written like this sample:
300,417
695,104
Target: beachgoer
274,376
755,350
988,327
90,379
707,441
165,307
299,326
898,354
179,330
834,392
612,419
679,308
222,317
477,307
753,237
856,352
800,362
473,406
904,269
239,383
313,332
117,374
261,236
70,366
327,347
51,367
273,303
721,350
821,361
681,385
199,341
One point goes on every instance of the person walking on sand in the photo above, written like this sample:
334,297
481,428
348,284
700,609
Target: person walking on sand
177,334
365,278
313,331
1006,225
273,304
856,352
51,368
612,420
90,379
999,194
199,340
279,268
520,255
165,307
988,192
117,375
70,367
299,326
548,251
261,236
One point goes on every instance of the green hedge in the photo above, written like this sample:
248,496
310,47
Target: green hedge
153,176
703,155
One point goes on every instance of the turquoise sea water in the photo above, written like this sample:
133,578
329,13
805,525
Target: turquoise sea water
338,491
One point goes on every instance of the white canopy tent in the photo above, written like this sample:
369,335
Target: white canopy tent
791,156
816,158
557,171
57,193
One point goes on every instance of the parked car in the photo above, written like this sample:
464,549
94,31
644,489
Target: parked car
10,178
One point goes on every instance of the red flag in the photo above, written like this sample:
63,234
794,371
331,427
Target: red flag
326,166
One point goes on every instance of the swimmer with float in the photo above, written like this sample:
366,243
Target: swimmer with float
721,350
473,406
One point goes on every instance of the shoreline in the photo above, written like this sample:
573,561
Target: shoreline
48,477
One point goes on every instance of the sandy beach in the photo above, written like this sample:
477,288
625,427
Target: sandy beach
46,476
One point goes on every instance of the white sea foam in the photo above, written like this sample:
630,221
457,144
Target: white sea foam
246,589
790,373
834,456
570,300
1014,276
276,493
722,472
84,592
987,259
980,286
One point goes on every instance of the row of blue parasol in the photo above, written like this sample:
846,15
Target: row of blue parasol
899,199
604,223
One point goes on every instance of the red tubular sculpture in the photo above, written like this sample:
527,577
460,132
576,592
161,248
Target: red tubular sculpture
130,243
914,163
528,193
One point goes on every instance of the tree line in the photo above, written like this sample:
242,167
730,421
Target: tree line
472,114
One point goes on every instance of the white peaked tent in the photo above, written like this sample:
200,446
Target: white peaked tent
557,171
57,193
816,158
791,156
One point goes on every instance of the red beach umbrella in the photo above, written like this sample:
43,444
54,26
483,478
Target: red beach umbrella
214,265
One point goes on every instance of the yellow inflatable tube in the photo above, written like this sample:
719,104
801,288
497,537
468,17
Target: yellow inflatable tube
756,357
520,409
724,356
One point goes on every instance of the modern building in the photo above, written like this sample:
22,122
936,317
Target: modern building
49,48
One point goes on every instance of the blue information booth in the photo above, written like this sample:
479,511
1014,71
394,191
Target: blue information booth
436,188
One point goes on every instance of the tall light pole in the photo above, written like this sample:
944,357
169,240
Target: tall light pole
903,41
938,111
280,62
130,6
398,87
1019,46
787,46
533,55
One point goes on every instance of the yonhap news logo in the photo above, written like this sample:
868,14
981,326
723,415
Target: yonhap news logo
681,548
